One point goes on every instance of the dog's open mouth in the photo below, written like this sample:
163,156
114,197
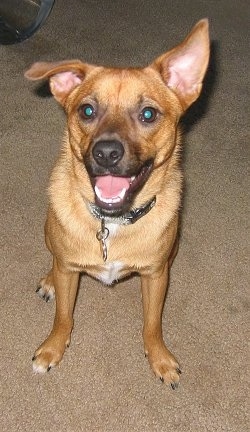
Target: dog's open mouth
113,193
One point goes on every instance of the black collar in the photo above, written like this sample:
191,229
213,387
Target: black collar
127,218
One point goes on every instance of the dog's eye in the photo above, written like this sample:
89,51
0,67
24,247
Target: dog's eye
148,115
87,112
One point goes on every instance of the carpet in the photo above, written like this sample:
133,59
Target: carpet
104,382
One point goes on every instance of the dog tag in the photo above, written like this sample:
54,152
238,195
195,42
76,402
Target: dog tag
101,236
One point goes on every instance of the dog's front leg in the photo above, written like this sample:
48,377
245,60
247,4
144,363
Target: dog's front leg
50,353
160,358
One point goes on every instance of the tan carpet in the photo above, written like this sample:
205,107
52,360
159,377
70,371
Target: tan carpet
104,383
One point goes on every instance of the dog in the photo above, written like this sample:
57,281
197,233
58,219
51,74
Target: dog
115,191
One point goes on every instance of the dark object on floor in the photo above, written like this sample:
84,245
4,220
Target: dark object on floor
21,19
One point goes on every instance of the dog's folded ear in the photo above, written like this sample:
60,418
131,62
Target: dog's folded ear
63,76
183,68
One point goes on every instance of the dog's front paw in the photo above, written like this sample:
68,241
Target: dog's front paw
49,354
164,365
46,289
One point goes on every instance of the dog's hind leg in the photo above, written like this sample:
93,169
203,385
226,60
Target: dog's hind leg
46,289
174,252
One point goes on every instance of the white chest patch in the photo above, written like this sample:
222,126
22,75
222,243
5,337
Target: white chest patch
113,229
110,272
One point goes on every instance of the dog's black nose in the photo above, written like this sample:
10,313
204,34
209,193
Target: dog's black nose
108,153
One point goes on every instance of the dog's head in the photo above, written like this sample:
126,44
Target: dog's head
122,123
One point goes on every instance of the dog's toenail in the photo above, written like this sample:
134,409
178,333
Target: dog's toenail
178,371
38,289
48,368
162,379
173,386
34,358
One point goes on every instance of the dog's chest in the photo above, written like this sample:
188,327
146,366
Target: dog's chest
110,272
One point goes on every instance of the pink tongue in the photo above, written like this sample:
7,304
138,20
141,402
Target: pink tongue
110,186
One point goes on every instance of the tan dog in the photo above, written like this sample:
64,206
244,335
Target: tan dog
115,190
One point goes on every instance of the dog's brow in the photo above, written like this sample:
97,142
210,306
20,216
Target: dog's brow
146,100
119,87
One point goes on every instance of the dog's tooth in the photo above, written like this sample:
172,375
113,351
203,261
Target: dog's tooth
115,200
122,194
98,193
110,200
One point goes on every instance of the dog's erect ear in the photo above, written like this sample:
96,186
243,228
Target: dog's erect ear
183,68
63,76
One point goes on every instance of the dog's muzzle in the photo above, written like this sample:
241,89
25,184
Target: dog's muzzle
115,183
115,176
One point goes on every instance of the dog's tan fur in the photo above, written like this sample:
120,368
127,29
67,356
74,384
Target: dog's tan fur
170,84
